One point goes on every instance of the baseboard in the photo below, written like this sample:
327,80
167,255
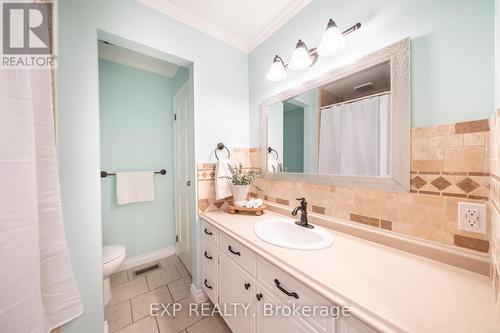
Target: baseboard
198,295
146,258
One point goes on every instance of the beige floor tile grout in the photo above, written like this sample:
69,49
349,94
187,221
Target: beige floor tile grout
134,320
157,325
111,306
185,328
131,312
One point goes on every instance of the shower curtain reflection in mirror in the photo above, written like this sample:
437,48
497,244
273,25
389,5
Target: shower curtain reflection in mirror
354,137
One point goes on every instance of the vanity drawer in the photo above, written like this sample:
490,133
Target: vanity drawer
209,232
240,254
270,276
210,256
210,285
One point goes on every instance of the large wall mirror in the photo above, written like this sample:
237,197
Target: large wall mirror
350,127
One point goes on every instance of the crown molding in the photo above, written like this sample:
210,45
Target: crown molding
245,46
277,23
195,22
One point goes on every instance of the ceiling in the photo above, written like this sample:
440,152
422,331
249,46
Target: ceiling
131,58
243,24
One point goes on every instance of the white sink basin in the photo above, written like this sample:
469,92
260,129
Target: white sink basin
286,233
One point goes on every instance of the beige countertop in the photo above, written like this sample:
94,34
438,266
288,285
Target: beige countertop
391,290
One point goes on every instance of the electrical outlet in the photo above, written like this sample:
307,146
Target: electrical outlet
472,217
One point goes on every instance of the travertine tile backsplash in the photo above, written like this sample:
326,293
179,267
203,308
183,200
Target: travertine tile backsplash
450,163
494,207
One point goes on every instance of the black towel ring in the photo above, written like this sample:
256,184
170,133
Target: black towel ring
270,150
221,146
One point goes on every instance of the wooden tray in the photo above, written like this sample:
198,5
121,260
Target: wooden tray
237,209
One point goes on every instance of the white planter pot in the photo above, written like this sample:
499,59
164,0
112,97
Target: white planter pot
240,193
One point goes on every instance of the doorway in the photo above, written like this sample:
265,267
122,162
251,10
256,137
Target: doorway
183,197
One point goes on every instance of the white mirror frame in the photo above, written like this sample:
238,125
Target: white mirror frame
399,181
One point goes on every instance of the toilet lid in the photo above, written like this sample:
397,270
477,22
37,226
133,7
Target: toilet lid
112,252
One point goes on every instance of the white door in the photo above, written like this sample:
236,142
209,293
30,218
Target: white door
182,123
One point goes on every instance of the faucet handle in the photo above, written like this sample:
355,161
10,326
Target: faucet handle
303,201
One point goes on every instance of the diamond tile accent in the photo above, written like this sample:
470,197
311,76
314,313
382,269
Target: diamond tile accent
468,185
219,204
440,183
418,182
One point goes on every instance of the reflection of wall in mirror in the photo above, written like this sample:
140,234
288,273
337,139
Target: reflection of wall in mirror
293,138
275,135
308,101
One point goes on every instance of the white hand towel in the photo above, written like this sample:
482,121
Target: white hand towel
134,187
257,203
250,204
222,183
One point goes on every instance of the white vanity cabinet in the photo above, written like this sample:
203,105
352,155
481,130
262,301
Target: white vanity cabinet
274,324
234,274
239,287
210,261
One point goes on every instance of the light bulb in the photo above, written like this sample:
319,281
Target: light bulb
300,57
277,70
332,40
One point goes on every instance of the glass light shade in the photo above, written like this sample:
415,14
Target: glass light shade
300,57
332,41
277,70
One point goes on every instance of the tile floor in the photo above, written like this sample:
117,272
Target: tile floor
128,311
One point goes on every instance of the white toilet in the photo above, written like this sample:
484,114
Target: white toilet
112,258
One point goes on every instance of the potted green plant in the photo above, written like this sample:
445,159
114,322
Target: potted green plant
241,179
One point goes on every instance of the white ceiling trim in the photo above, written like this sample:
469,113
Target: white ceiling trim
195,22
246,46
283,18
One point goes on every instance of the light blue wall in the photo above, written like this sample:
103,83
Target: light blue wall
218,82
497,54
180,78
137,134
452,53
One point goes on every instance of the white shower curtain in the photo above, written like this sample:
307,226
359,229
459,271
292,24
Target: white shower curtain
351,140
38,291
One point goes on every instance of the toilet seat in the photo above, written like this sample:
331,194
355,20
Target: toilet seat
112,252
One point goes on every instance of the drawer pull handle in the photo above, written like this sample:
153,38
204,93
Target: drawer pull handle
208,232
247,285
207,256
259,296
238,253
206,284
286,292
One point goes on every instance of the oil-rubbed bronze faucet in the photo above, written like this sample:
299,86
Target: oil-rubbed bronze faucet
303,217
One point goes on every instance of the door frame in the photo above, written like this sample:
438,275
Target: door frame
181,90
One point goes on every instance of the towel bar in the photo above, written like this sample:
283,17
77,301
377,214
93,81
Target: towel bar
105,174
221,146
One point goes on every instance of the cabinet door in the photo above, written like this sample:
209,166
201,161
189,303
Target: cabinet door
266,323
352,325
236,288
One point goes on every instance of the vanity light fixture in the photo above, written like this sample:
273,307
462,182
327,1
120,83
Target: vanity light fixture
332,41
301,58
277,71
